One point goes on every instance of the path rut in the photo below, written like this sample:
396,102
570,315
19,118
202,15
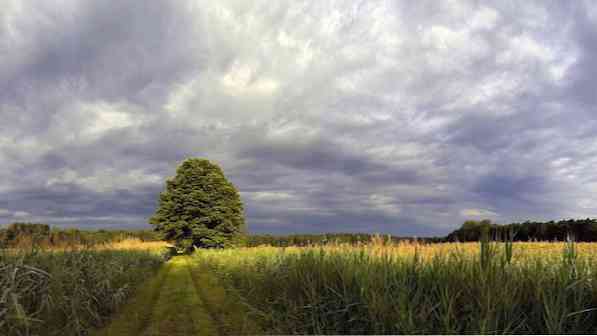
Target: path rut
171,303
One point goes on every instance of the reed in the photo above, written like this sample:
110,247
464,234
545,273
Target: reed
67,292
386,288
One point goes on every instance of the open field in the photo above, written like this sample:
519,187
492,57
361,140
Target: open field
410,288
378,288
69,292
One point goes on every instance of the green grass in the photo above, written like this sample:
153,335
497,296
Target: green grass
183,299
179,310
321,291
137,314
375,289
67,293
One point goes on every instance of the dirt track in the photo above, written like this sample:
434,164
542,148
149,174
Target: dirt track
182,299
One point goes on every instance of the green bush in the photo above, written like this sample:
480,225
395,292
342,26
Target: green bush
200,208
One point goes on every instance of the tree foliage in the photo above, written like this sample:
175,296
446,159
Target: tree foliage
20,235
577,229
200,208
330,238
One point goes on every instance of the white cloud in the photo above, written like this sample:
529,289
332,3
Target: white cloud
21,214
268,196
478,213
384,203
106,180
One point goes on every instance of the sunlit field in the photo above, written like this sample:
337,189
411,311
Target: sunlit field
413,288
375,288
134,244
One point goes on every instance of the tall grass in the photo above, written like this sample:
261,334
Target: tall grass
449,288
67,292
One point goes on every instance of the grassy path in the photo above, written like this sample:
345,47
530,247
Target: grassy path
182,299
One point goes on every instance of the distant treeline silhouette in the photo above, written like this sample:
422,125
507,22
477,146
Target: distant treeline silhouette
327,238
34,234
583,230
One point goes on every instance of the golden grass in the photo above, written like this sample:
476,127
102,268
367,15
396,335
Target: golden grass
129,244
380,248
382,288
134,244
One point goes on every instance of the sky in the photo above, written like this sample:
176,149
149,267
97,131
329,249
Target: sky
399,117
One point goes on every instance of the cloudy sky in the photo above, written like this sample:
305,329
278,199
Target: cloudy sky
402,117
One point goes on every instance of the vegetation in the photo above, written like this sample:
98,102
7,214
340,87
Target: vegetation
306,284
67,293
27,235
584,230
411,288
200,208
327,238
183,299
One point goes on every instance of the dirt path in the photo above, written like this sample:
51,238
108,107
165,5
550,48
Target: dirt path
182,299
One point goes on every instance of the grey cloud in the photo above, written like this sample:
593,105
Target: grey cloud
328,116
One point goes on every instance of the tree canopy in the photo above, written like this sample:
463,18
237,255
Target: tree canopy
200,207
577,229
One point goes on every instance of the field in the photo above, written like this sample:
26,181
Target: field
411,288
71,291
376,288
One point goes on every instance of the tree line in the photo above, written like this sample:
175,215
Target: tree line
583,230
36,234
329,238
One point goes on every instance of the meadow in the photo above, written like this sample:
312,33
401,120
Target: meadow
413,288
70,291
128,287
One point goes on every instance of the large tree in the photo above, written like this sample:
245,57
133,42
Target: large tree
200,207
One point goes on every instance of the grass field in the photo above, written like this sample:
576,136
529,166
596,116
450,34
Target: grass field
411,288
376,288
69,292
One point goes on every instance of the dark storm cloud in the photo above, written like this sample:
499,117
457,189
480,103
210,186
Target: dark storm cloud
366,116
110,50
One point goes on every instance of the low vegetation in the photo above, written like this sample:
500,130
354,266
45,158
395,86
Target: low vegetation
302,284
68,292
386,288
326,239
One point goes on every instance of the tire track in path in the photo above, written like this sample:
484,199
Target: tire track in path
137,313
167,304
225,308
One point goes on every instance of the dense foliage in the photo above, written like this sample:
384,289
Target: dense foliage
67,293
328,238
584,230
459,289
27,235
200,208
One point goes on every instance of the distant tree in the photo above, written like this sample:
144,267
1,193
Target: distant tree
577,229
200,208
